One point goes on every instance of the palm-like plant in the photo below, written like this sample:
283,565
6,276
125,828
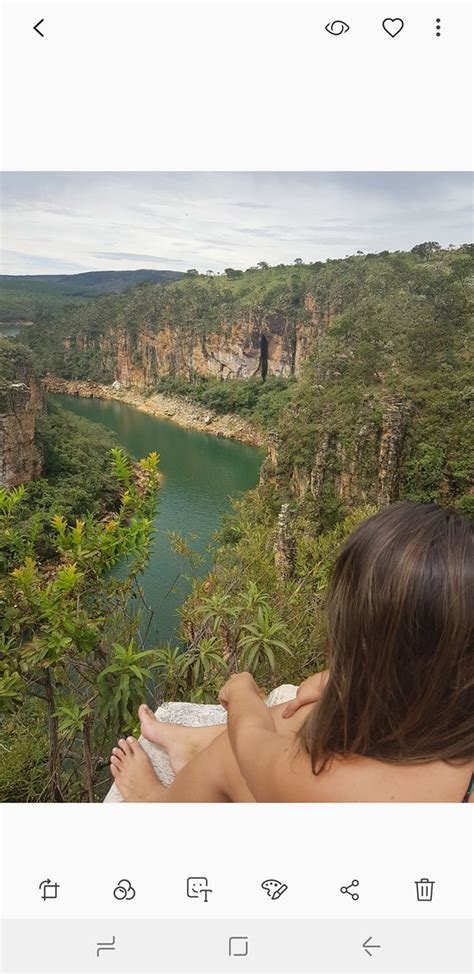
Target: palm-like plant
252,598
171,665
260,640
216,610
205,660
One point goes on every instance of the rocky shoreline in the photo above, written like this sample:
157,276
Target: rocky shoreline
181,411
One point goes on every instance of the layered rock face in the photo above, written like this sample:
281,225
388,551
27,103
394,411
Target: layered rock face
252,345
365,472
21,400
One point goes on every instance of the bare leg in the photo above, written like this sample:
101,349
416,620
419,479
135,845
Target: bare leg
182,743
212,774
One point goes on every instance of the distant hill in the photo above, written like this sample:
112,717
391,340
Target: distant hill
22,297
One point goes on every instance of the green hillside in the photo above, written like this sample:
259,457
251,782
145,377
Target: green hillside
24,297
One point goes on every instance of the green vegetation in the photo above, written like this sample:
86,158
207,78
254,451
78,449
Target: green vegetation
30,297
71,662
387,392
262,401
257,616
23,300
16,361
70,446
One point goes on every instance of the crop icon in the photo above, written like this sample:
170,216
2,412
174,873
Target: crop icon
49,890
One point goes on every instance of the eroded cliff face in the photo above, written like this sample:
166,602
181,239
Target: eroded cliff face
364,469
21,401
255,344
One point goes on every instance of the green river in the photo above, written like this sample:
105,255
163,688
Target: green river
201,472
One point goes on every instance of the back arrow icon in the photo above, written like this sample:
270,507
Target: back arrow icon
368,946
39,25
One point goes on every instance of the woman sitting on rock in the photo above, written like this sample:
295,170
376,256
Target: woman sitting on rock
390,720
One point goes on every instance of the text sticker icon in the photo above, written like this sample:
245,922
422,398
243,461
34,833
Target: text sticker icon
198,886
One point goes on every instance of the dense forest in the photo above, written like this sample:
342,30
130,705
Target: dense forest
27,297
364,388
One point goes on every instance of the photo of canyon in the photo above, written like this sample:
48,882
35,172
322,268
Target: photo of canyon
215,389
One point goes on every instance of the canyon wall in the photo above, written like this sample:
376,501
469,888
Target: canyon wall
21,401
363,468
251,344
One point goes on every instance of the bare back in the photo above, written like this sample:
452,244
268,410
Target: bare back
361,779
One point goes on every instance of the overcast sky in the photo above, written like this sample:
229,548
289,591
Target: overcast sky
70,222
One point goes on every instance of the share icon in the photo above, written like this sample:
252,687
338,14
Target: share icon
347,889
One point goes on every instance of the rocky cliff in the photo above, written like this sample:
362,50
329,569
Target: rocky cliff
360,468
21,401
197,328
239,349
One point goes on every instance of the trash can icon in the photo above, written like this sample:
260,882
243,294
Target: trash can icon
424,890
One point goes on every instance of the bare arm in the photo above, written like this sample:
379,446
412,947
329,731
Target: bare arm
310,691
271,772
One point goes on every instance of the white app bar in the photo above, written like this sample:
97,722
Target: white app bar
393,862
237,86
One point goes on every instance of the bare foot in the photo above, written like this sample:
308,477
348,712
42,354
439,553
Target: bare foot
133,773
181,743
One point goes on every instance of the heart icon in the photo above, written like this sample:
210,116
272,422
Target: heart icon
393,25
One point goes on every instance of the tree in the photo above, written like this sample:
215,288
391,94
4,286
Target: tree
427,249
298,261
69,639
232,273
192,272
262,265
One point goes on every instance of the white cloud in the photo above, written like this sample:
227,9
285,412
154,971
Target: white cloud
89,221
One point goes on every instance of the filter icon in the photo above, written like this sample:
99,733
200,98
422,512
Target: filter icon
424,890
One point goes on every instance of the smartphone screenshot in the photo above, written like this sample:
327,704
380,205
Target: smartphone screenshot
236,487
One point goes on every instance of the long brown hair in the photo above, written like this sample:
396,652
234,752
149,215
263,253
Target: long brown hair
400,642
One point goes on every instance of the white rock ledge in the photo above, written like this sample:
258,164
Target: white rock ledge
191,715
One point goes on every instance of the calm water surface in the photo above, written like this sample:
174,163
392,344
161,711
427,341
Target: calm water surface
201,473
7,331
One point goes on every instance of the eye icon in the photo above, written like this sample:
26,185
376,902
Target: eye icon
337,27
